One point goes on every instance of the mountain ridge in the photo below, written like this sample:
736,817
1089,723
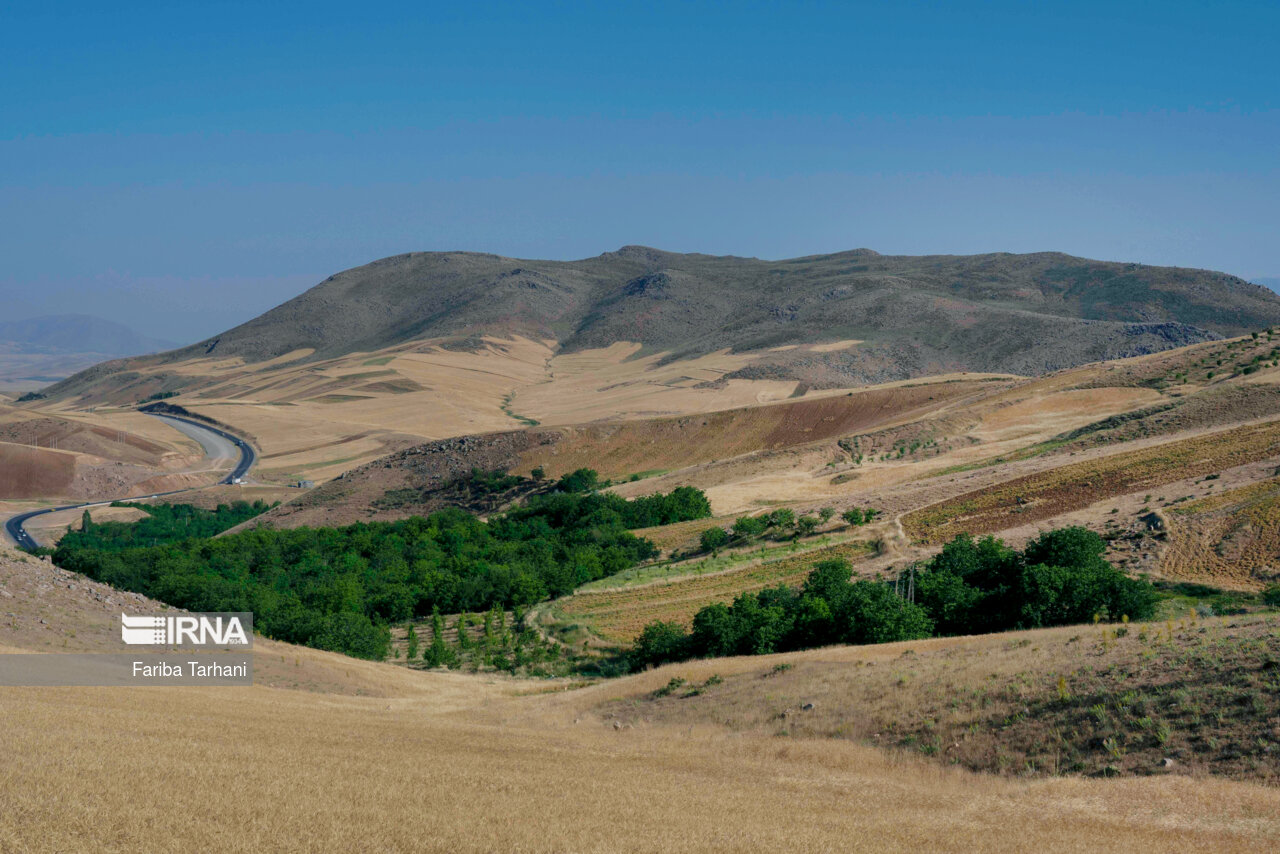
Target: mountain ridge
911,315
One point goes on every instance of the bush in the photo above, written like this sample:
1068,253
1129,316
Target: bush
748,527
782,518
659,643
582,480
713,539
1271,596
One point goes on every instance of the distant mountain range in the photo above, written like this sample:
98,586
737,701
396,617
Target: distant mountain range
42,350
78,333
914,315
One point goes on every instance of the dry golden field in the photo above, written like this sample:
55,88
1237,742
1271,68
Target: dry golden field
444,765
1232,537
327,753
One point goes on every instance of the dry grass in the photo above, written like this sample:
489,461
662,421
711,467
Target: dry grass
257,769
619,449
1231,537
1113,700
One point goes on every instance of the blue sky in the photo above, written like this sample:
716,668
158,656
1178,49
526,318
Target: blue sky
185,166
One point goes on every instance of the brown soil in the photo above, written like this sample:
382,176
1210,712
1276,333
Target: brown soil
27,472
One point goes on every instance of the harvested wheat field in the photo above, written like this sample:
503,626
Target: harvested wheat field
27,472
1230,538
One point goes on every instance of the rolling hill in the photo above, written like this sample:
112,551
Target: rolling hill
899,316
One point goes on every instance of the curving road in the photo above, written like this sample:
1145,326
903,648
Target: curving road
217,445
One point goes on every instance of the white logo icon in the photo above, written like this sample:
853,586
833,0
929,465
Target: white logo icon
186,629
143,630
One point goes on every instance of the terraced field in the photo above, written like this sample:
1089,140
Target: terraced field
619,615
1071,487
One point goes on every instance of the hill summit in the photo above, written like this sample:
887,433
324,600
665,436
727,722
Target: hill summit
910,315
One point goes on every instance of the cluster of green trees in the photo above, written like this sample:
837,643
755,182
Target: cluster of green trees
970,587
164,523
779,524
857,516
565,509
340,588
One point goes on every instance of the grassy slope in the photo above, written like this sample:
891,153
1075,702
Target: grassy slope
1204,693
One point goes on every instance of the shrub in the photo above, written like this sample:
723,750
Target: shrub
1271,596
713,539
748,527
659,643
782,518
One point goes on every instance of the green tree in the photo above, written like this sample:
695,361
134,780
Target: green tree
713,539
783,517
439,652
581,480
659,643
748,527
464,639
412,651
853,516
871,613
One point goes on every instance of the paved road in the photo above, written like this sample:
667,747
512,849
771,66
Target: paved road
218,448
218,445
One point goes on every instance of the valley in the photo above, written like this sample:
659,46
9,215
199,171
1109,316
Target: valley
426,476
